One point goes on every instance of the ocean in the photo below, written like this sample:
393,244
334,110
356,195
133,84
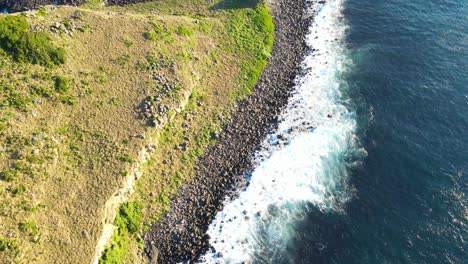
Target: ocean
369,161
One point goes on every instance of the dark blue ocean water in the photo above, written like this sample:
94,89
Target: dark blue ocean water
382,175
409,86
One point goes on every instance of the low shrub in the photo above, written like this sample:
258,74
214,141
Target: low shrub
9,175
128,221
130,217
26,46
67,100
117,252
182,31
7,244
62,84
18,190
126,158
157,32
29,228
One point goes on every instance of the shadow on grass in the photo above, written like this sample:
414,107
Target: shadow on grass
236,4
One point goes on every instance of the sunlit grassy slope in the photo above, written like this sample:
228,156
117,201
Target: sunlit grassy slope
94,146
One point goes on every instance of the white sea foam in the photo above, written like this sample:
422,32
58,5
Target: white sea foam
303,163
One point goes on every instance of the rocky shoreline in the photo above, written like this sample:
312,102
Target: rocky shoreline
181,235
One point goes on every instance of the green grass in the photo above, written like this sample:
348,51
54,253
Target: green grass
117,253
250,31
62,84
42,12
18,190
129,221
78,169
28,46
126,158
13,98
93,3
253,32
130,217
29,228
7,245
183,31
158,31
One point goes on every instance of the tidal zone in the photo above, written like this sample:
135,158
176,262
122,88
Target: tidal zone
304,162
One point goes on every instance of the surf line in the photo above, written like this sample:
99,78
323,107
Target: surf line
304,162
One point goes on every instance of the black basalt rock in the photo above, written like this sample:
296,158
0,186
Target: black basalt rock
12,6
220,172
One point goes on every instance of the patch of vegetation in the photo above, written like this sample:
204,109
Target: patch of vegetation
257,40
62,84
204,26
28,46
7,245
126,158
119,249
18,190
130,217
128,221
42,12
93,3
128,43
157,32
40,90
264,23
29,228
13,98
10,174
67,99
122,60
183,31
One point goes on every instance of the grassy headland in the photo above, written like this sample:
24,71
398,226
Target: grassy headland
104,112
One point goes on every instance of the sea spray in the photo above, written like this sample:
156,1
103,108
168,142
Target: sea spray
303,163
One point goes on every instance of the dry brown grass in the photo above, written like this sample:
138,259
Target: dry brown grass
84,169
72,152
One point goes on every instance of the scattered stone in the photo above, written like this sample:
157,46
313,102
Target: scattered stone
153,255
179,236
85,234
77,15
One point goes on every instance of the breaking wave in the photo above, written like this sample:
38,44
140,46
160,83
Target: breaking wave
304,162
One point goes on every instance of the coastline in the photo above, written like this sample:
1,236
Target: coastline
100,189
251,120
181,234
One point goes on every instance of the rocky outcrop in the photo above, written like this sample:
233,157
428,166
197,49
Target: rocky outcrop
181,235
12,6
